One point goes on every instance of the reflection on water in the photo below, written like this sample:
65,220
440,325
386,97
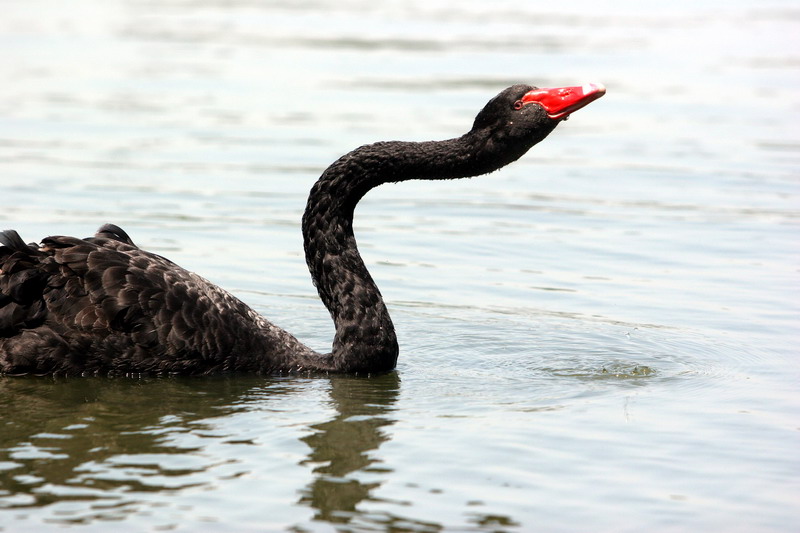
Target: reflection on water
90,451
341,447
103,440
117,446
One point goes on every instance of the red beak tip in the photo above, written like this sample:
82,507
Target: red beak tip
598,88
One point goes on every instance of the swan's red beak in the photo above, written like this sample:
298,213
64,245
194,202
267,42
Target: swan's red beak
562,101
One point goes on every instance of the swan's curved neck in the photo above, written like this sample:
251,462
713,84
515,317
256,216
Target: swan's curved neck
365,338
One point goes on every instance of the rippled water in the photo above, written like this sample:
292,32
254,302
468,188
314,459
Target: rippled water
602,336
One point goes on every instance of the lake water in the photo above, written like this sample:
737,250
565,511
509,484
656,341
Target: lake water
601,337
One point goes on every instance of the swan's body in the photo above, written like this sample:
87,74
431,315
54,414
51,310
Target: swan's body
102,305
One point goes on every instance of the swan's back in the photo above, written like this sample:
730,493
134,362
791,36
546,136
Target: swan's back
103,305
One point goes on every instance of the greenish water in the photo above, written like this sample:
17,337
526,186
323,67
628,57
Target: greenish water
602,336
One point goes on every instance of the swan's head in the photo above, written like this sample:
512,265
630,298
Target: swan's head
523,115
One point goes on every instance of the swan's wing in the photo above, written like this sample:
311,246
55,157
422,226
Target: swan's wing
103,304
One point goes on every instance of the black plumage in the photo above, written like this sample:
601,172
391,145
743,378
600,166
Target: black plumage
102,305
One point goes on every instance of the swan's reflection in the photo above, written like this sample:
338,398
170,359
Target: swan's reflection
342,445
94,440
84,451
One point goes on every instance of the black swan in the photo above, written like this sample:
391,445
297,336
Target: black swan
102,305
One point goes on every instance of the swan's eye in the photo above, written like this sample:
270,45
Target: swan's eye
518,105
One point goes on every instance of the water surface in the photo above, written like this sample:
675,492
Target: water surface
602,336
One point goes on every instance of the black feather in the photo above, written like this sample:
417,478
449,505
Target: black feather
12,240
112,231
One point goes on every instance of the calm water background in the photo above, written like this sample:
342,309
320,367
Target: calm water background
603,336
